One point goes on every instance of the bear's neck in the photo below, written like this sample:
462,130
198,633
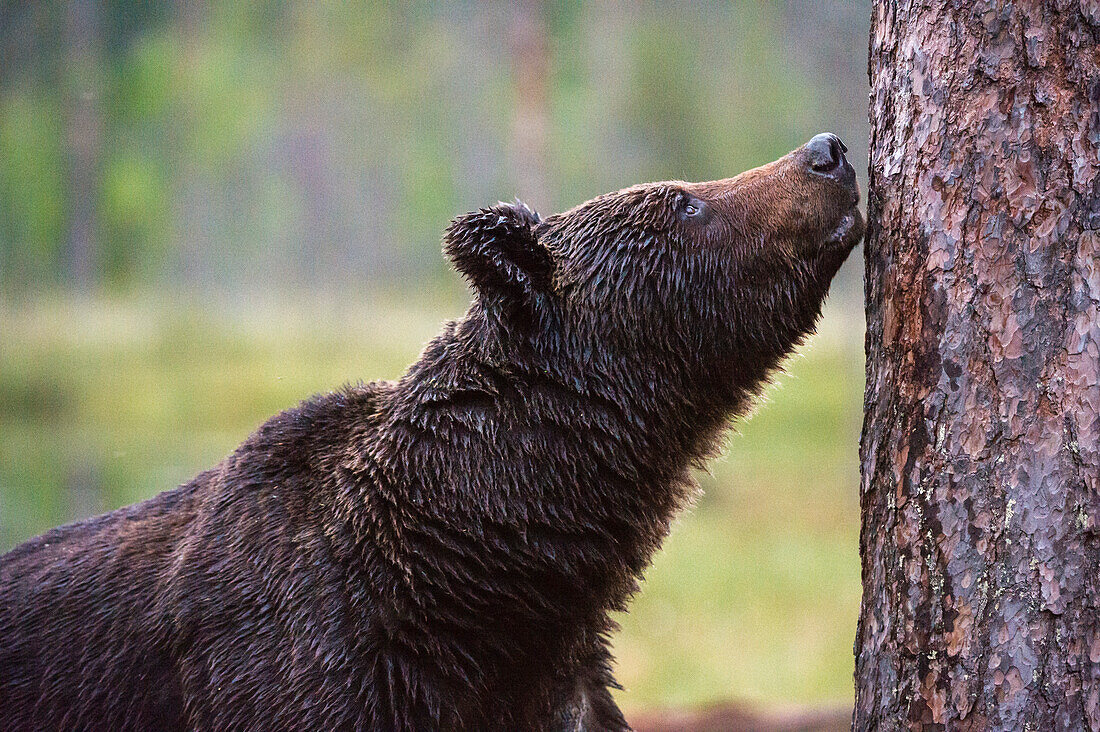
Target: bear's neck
519,490
585,462
525,491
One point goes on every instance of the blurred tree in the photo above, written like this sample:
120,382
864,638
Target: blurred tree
981,445
193,245
83,141
283,145
530,49
668,98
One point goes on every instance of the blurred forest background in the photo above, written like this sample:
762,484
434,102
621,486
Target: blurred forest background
209,210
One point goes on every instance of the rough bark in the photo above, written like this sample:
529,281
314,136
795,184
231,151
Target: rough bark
981,445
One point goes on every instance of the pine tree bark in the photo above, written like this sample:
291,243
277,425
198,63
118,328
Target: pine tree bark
981,442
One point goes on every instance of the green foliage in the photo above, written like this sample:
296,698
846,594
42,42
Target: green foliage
332,141
32,199
134,208
755,593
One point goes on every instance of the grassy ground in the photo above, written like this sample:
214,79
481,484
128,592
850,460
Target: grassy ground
754,595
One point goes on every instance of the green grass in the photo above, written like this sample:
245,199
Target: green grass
754,595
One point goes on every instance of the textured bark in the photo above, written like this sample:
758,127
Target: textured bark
981,446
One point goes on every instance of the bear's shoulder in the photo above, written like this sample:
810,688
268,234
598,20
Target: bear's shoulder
319,429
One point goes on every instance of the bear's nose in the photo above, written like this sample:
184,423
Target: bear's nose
825,153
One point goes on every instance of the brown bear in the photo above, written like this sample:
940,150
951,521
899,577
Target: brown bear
442,552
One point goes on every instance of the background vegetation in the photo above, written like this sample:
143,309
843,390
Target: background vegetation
209,210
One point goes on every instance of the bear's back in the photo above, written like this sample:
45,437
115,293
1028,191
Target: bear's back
142,617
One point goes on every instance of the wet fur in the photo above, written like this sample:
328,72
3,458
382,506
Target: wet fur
440,552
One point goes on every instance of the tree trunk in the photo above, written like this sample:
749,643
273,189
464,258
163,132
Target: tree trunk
981,445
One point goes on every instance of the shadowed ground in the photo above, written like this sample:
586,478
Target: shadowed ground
740,718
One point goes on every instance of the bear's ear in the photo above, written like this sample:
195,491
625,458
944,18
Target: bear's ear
498,251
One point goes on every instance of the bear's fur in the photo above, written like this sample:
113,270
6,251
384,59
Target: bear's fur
443,551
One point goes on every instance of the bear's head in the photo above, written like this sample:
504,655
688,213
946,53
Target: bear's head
712,281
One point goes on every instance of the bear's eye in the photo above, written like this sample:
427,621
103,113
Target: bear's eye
691,208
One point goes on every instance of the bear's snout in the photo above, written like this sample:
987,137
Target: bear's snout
825,152
824,156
